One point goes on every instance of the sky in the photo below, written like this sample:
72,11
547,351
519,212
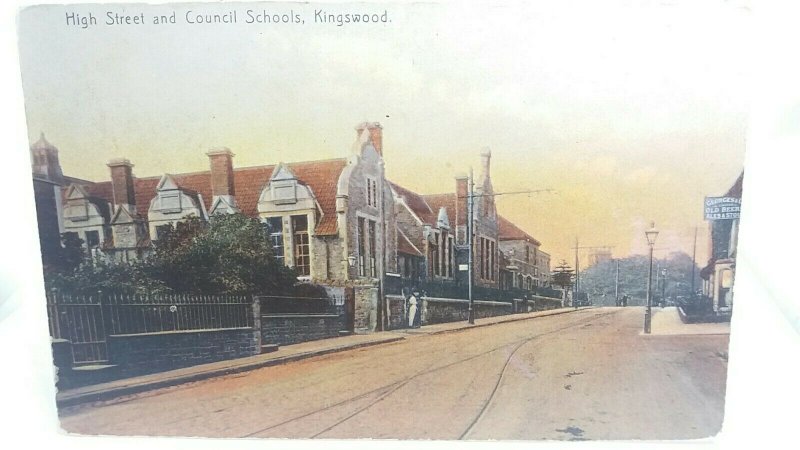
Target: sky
630,111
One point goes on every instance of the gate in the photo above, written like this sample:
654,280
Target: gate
81,321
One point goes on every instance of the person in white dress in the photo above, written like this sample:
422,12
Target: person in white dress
412,310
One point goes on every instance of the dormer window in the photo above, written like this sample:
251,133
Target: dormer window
284,192
170,202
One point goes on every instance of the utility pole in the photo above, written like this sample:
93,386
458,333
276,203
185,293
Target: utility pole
694,253
616,286
470,233
470,198
577,270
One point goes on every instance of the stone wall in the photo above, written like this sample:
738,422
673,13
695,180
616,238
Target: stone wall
443,310
537,303
173,349
285,329
398,310
366,309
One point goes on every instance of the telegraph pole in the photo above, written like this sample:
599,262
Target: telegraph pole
694,253
470,198
470,232
616,286
577,270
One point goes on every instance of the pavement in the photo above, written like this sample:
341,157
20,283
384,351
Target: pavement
585,375
289,353
667,322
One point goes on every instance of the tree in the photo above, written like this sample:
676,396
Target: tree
599,279
229,254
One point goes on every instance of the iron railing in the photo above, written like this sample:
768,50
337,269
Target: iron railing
86,321
283,304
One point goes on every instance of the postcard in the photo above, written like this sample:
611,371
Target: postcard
413,221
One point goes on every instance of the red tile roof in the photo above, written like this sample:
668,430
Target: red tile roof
405,246
447,201
510,232
321,176
417,204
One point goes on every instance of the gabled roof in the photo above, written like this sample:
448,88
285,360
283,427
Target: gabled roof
321,176
736,189
405,246
416,203
447,201
510,232
122,216
82,190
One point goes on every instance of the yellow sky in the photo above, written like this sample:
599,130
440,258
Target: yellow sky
632,113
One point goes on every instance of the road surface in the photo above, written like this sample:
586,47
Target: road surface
588,374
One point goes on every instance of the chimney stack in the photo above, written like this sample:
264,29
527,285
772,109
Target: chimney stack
122,184
375,134
486,159
462,190
221,160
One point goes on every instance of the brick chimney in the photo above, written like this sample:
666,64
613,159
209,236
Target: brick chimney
221,160
462,190
375,134
122,184
486,161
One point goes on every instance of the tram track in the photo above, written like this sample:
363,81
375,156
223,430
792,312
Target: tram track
385,391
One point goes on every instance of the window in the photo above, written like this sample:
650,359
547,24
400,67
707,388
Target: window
92,239
275,230
361,234
162,231
492,253
302,255
373,269
527,254
372,192
170,202
70,236
483,258
284,192
435,255
450,256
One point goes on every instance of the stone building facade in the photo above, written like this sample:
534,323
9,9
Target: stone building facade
331,220
336,222
521,252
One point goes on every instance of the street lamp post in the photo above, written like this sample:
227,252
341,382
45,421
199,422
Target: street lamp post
651,236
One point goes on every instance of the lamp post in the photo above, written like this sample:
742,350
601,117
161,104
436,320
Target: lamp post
651,236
